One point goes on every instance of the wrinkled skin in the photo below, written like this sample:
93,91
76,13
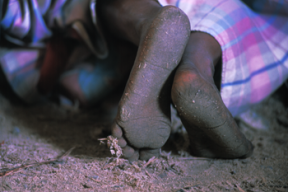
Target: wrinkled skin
158,78
211,128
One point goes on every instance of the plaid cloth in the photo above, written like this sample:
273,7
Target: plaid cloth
21,68
26,28
254,45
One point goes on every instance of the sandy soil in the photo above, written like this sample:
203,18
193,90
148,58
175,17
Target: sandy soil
41,133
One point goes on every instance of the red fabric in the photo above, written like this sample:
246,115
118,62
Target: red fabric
55,60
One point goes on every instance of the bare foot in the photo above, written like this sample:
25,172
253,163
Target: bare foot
143,121
211,127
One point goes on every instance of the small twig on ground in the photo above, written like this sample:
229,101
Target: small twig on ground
166,155
229,184
96,180
17,169
136,167
149,162
112,143
113,162
4,153
115,149
148,173
264,180
193,158
67,153
239,188
102,140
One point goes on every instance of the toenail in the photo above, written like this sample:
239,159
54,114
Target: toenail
134,157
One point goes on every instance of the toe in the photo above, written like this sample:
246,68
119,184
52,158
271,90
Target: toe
116,131
130,154
121,142
146,154
249,150
134,157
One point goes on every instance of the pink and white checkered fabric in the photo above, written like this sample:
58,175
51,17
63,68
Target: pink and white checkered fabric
254,45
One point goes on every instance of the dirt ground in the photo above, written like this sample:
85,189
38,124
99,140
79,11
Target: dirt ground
45,132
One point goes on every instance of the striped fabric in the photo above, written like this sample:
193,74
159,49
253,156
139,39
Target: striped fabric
254,45
23,23
25,31
21,68
26,26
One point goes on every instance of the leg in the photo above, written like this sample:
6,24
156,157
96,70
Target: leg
211,128
143,121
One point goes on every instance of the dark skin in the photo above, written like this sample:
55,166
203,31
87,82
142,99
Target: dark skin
172,65
143,121
210,126
144,109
